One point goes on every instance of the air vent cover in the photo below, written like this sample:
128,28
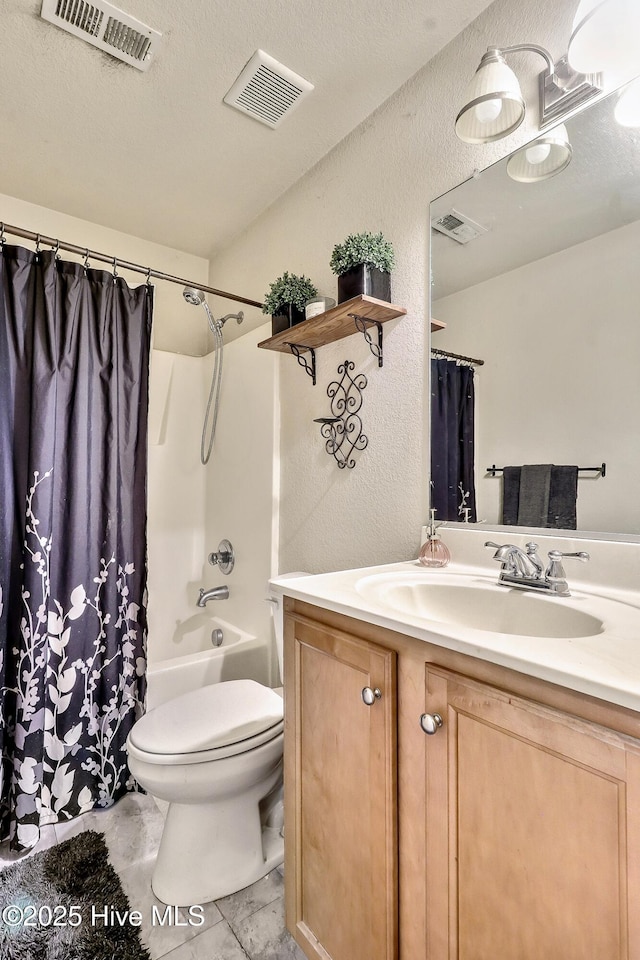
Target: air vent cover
458,226
105,27
267,90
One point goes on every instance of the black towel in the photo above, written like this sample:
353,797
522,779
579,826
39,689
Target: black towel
560,513
535,483
510,495
563,495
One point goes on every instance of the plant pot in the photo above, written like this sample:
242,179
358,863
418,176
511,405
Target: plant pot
364,279
287,316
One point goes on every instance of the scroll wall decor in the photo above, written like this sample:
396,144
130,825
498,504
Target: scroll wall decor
343,429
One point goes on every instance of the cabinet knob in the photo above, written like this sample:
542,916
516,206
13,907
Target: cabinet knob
370,696
430,722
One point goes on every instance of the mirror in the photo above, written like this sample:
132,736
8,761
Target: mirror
549,298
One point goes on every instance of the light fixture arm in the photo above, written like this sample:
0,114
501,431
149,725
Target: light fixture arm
518,47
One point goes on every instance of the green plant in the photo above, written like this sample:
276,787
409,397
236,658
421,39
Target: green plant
288,288
368,248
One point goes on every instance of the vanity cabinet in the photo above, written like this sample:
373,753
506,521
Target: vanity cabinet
517,821
532,820
340,793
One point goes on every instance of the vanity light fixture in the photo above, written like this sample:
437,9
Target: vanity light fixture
494,105
541,159
605,37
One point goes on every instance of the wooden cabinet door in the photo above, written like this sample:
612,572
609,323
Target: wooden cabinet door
340,794
532,831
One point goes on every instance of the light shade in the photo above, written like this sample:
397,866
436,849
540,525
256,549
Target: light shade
605,37
542,159
494,106
627,111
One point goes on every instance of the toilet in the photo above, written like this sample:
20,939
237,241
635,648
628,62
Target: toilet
215,755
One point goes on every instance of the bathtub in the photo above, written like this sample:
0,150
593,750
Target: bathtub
197,662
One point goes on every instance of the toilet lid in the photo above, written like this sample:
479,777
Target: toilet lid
213,716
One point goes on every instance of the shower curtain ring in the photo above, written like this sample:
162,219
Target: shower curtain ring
148,280
86,263
37,244
56,250
115,272
2,237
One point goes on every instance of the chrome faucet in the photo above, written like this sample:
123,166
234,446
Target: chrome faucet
524,568
216,593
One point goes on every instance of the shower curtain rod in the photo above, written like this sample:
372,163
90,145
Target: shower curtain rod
457,356
149,272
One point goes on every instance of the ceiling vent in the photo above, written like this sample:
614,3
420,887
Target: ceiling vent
267,90
105,27
459,227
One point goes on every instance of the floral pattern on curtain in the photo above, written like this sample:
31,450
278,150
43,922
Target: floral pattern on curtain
74,360
452,440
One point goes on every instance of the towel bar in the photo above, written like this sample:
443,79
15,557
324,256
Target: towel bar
601,470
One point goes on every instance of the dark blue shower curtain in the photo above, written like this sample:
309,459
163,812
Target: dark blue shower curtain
452,440
74,360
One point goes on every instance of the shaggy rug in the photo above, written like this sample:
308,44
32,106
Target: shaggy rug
67,903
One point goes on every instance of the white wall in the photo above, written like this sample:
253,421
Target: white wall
381,177
559,383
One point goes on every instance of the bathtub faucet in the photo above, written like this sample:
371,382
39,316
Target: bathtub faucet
216,593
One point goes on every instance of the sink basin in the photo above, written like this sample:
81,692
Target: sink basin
476,604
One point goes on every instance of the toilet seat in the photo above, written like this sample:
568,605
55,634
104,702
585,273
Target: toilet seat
217,721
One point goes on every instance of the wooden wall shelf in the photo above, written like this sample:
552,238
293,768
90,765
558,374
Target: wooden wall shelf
333,324
359,314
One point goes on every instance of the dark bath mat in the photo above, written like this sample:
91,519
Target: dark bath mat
52,906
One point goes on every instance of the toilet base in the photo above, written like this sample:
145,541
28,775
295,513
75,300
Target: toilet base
273,846
211,850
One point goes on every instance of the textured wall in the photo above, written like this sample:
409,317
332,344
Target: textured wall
381,176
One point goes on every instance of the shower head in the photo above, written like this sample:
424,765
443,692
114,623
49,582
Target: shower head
191,295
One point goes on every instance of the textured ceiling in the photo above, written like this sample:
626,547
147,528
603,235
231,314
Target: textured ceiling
157,154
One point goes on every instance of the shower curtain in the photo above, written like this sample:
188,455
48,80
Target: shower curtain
74,360
452,440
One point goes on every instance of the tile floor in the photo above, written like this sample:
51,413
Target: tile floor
248,925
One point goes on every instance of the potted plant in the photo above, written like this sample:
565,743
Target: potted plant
286,299
363,264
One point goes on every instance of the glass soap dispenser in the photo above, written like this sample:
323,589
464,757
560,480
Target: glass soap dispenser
434,553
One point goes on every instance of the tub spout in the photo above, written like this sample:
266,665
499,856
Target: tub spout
216,593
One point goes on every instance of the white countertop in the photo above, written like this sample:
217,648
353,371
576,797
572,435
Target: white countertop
606,665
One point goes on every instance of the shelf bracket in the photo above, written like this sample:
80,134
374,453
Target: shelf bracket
361,325
310,368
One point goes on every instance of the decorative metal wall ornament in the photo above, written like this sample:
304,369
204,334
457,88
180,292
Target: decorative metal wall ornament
343,430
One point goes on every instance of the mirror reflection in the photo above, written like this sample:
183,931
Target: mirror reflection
537,285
